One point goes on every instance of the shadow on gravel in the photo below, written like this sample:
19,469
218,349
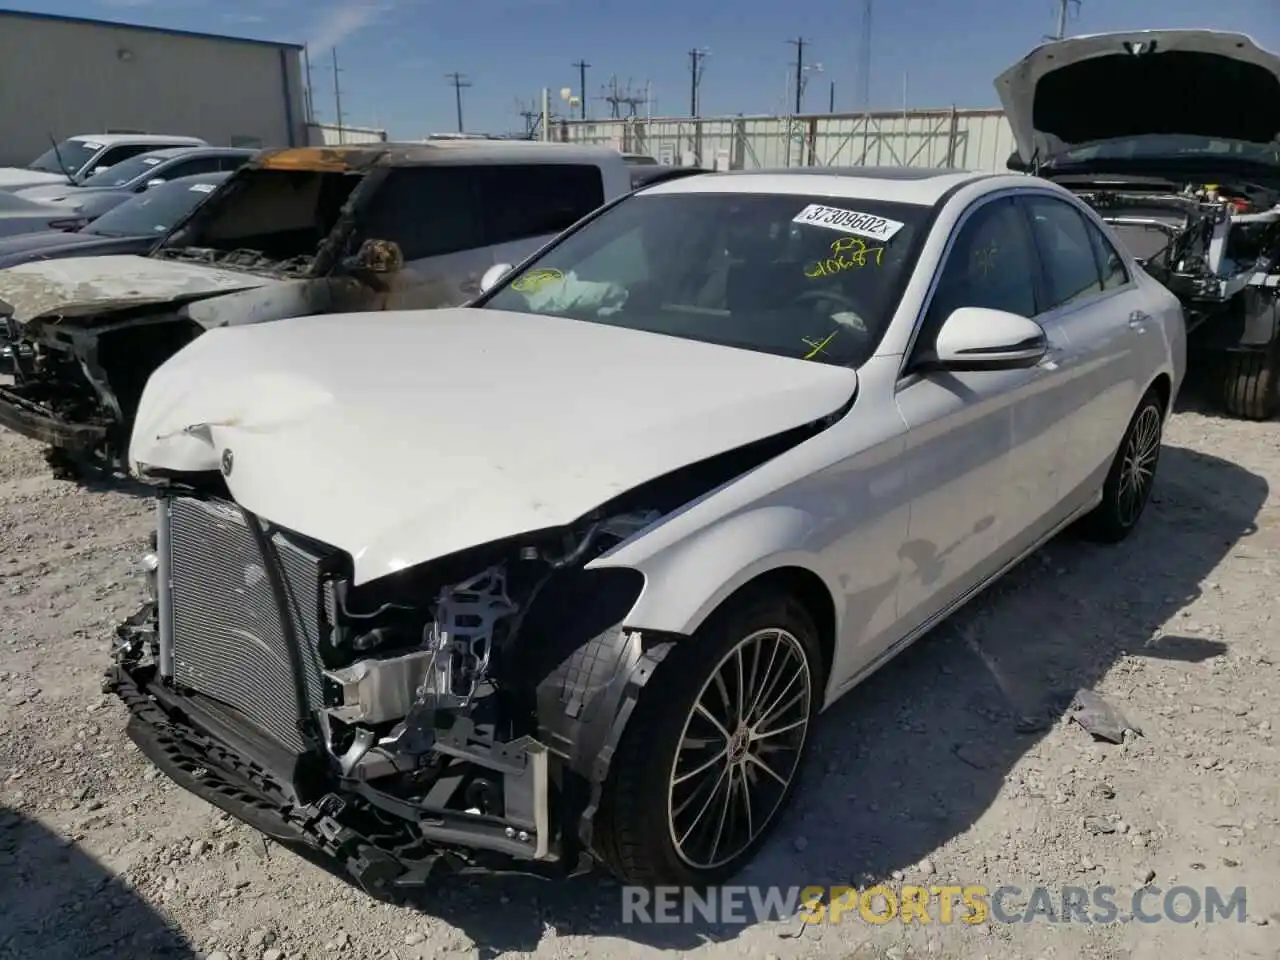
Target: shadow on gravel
58,903
916,754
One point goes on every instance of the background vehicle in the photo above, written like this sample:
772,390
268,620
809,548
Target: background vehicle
778,426
643,175
133,227
1189,177
19,216
78,158
143,172
288,235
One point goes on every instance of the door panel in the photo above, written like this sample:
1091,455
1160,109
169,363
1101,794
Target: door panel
971,492
1100,387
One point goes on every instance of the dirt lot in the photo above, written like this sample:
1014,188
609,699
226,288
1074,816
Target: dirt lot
953,765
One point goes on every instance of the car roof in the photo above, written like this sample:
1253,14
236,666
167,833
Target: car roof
168,153
355,158
923,186
110,139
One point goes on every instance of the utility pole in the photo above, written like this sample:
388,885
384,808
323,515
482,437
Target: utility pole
337,98
458,81
831,103
799,43
697,61
1064,8
864,59
581,66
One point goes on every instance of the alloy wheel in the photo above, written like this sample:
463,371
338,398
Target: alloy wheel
1138,468
739,748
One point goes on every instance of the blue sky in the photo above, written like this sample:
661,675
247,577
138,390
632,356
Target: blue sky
394,54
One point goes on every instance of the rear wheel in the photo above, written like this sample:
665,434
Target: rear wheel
1251,383
1127,489
715,747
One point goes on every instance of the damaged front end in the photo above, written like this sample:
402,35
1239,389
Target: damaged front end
460,712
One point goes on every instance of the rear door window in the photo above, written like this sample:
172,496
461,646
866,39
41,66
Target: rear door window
1070,266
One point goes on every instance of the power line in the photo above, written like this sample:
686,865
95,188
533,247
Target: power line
581,67
458,81
697,63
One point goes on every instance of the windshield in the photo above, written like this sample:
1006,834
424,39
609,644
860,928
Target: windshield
75,154
154,212
123,172
816,278
1163,146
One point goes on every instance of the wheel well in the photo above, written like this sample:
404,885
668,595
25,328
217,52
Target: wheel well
1163,387
809,590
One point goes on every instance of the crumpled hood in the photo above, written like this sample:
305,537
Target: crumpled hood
1103,86
82,284
16,178
400,437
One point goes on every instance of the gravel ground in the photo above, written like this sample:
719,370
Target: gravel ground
935,771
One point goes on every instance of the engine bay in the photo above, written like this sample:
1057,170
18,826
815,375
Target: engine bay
1204,242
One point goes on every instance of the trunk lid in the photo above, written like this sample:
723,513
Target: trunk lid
1188,83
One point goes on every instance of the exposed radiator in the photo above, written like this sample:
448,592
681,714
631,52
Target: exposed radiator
228,640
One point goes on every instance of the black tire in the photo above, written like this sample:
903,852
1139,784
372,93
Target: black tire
1118,514
638,839
1251,383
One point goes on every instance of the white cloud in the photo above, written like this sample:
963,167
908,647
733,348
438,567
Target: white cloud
342,20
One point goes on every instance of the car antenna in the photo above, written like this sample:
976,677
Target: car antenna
58,154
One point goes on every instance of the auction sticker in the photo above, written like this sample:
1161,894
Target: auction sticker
848,221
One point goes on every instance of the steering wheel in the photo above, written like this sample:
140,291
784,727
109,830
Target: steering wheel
844,305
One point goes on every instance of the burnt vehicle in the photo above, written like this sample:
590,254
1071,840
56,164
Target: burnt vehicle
1188,178
294,232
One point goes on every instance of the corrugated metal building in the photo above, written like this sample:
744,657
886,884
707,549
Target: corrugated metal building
63,76
970,139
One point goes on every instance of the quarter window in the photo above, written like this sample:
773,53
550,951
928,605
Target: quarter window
1114,272
990,265
1070,266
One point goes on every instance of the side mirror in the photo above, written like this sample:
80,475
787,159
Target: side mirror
376,256
100,168
493,275
153,182
976,338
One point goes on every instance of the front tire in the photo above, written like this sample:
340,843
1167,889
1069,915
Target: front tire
715,747
1127,489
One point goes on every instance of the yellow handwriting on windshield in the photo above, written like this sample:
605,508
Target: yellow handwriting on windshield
535,280
817,346
847,253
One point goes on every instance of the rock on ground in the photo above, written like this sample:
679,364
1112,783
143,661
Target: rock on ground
951,766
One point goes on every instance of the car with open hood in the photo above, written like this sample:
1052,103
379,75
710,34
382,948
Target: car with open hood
565,575
294,232
1188,176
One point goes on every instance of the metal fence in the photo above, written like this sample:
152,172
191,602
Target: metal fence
332,135
969,139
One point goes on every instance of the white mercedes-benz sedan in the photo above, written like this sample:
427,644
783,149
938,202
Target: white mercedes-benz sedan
566,575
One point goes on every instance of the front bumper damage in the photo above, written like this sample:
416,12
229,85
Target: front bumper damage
389,810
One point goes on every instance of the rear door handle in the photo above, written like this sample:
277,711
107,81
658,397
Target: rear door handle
1138,320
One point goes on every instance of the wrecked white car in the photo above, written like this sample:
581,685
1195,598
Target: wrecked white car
1173,136
295,232
567,574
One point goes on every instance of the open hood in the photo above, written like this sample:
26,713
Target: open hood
1201,83
400,437
81,285
16,178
